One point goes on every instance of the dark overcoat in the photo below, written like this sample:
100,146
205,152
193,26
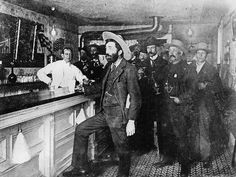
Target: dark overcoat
211,133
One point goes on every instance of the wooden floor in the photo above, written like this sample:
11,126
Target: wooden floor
142,166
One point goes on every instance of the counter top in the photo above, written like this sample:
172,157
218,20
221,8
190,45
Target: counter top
23,101
20,88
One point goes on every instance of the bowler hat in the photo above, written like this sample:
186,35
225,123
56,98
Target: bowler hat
201,46
109,35
152,41
177,43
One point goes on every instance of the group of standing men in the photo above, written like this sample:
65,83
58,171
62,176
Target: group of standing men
184,98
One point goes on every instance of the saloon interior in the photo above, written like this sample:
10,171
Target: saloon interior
44,124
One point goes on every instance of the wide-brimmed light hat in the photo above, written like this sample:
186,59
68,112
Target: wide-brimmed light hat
126,51
177,43
201,46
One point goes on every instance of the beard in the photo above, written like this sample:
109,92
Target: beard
172,58
136,53
112,58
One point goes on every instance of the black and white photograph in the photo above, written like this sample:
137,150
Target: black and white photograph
117,88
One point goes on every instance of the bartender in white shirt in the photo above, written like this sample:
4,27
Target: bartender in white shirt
64,74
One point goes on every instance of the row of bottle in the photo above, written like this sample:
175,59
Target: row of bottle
12,77
27,78
21,79
12,93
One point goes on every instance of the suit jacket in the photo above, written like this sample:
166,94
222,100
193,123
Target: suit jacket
208,74
213,94
159,70
125,83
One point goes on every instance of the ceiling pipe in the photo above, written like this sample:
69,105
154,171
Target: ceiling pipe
125,32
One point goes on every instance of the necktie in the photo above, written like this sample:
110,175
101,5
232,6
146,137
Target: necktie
151,63
113,68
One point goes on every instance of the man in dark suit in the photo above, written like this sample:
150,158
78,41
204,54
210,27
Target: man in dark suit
119,82
209,100
156,72
178,90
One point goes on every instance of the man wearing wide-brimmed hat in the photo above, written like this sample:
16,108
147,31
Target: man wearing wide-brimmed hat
119,82
177,88
213,136
156,71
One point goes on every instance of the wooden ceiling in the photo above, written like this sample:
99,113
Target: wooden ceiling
128,12
202,15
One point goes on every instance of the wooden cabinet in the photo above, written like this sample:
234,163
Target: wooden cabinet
49,133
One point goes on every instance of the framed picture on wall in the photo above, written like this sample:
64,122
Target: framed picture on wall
8,32
30,52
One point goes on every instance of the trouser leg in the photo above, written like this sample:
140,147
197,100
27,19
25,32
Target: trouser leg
82,132
121,144
161,117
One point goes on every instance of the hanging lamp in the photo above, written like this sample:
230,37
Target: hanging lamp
21,152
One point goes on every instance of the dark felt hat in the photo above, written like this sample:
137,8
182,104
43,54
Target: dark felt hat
152,41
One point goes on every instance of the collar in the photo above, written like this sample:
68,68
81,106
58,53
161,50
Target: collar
117,62
201,64
154,57
132,59
68,63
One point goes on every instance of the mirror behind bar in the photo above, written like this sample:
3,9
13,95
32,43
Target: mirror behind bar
30,52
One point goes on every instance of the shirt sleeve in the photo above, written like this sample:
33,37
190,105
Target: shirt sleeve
42,73
79,75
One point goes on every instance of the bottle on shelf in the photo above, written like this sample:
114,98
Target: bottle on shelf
12,77
2,73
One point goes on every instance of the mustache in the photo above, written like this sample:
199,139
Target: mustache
108,56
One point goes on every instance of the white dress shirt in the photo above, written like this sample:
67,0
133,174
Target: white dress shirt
117,62
199,66
152,59
63,74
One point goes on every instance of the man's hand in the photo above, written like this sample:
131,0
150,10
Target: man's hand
50,86
88,82
202,85
130,128
175,99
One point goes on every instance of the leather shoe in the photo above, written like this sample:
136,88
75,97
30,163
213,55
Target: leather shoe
75,172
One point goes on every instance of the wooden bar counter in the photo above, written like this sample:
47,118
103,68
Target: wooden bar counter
47,120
